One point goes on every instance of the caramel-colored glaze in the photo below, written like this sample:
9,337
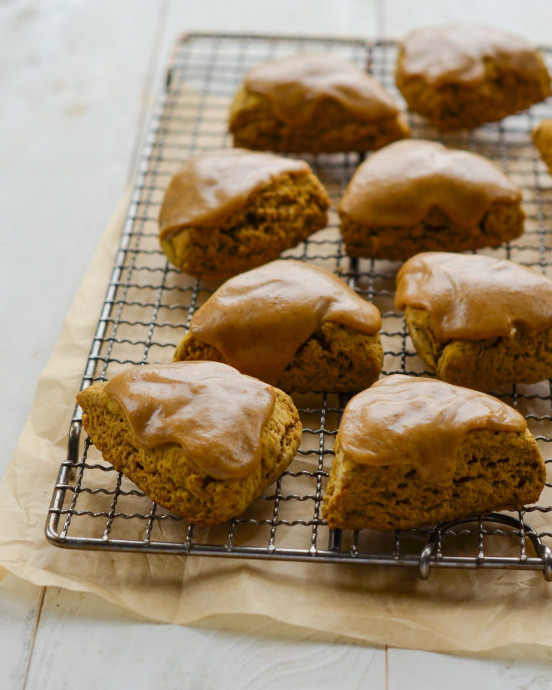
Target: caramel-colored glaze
213,186
473,297
297,84
419,423
400,183
457,54
212,411
259,319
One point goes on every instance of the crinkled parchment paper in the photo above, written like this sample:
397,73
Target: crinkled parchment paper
452,611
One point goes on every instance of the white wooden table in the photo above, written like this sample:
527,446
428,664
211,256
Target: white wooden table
78,78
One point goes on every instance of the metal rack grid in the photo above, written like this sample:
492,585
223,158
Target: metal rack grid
149,304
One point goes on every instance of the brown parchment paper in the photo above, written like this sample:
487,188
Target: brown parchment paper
452,611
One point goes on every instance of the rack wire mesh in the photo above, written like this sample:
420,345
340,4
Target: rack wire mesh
149,304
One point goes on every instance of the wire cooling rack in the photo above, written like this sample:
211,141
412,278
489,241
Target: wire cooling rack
149,304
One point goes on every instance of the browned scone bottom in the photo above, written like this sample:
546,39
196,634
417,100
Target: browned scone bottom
172,477
310,102
464,76
336,359
542,138
230,210
411,452
418,195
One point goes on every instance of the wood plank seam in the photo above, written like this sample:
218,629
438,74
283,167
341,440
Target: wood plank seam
32,638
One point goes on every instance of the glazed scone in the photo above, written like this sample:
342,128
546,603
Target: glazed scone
230,210
477,321
292,324
313,102
199,438
542,138
462,76
411,452
414,196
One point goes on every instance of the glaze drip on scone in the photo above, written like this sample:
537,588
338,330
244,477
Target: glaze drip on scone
419,423
259,319
211,410
475,297
399,184
213,186
458,54
296,84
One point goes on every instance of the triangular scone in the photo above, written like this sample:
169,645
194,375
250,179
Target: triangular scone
315,103
478,321
292,324
199,438
229,210
461,76
413,451
416,195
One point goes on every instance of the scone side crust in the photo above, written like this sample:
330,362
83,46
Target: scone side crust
167,476
335,358
436,232
280,216
495,471
482,364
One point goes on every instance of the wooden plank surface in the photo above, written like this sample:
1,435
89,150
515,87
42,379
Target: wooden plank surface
20,607
106,647
73,89
78,78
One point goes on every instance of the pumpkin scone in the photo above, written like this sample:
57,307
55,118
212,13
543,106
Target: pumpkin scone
292,324
477,321
315,103
229,210
542,138
199,438
411,452
462,76
417,195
